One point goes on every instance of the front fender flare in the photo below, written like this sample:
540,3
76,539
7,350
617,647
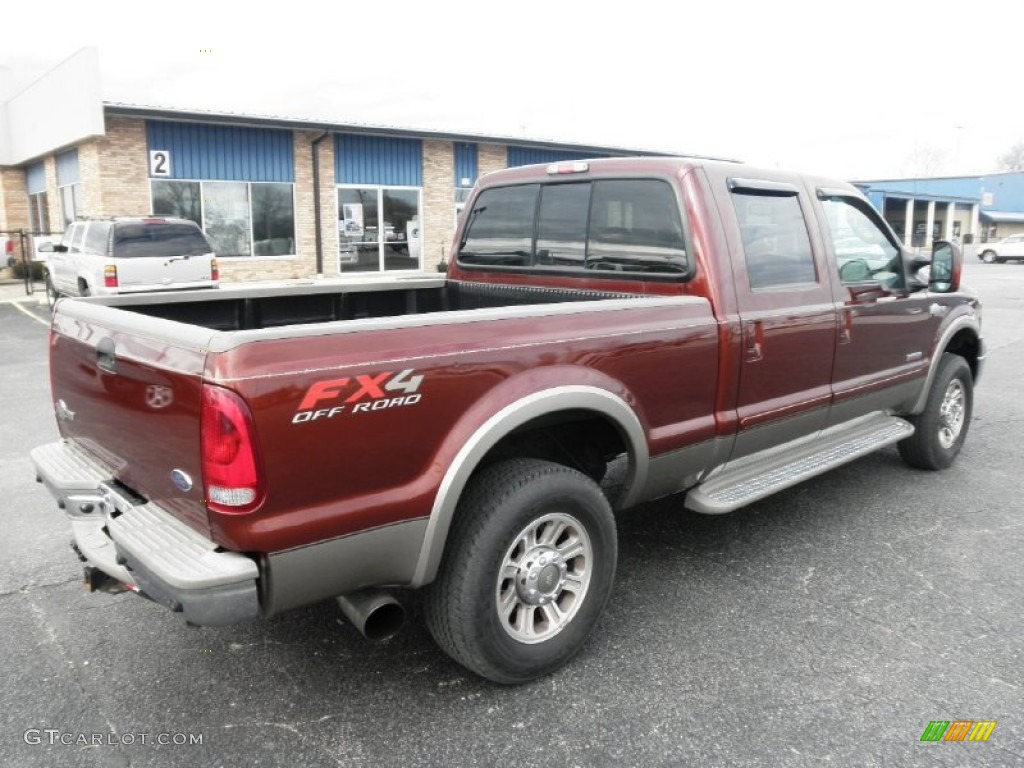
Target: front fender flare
959,323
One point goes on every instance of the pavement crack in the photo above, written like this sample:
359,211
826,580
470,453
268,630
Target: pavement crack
27,588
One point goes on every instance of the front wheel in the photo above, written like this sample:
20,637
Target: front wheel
527,570
989,257
51,291
940,429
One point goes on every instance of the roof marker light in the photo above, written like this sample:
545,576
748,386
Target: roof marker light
557,169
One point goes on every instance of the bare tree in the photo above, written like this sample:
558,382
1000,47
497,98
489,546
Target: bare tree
925,161
1013,158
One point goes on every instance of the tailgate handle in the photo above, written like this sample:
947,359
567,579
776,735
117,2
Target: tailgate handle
105,359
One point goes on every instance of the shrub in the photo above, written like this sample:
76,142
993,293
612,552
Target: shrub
19,269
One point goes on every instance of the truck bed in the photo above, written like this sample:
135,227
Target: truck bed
238,309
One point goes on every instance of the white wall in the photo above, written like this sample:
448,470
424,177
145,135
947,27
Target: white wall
61,108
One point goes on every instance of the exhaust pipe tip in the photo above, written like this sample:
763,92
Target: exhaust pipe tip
375,613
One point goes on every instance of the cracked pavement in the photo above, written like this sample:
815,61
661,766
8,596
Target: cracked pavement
827,624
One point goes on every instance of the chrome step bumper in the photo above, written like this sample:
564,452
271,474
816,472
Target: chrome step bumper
144,546
753,478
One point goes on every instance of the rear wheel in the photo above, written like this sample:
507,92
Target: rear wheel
941,428
989,257
527,570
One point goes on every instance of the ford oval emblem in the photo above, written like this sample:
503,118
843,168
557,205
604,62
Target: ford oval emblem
181,480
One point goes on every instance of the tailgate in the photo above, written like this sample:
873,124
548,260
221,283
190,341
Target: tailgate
127,389
148,272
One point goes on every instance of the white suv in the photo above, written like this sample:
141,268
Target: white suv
129,255
1008,248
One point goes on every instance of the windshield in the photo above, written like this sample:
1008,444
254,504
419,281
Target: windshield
159,239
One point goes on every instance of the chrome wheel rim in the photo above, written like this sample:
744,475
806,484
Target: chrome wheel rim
951,413
988,257
544,578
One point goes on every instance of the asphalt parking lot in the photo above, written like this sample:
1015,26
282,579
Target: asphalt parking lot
828,624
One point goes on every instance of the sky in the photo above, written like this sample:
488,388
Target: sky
863,90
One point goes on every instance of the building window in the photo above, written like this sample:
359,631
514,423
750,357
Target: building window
70,202
241,218
226,217
181,199
379,229
273,219
38,213
69,187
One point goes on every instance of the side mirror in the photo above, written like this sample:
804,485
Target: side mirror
947,263
57,248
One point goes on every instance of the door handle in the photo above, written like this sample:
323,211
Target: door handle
915,310
105,356
846,326
753,341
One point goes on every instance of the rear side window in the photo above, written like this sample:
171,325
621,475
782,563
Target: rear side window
627,225
77,237
776,244
158,239
97,238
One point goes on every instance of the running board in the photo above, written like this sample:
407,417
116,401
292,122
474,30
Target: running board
755,477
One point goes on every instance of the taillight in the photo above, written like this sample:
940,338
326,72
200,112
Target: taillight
214,270
9,246
232,469
110,276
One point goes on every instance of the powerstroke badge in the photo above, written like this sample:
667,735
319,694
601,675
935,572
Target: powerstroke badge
359,394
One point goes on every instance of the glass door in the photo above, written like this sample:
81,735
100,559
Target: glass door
379,229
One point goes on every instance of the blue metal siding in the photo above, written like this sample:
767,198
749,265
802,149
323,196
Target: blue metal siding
67,167
1007,189
360,159
531,156
35,178
466,167
224,153
877,199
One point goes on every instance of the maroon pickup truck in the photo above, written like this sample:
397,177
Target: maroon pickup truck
608,332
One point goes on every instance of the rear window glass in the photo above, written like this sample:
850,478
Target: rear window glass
613,225
159,240
501,227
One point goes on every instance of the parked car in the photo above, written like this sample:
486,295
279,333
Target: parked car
1008,249
130,255
609,332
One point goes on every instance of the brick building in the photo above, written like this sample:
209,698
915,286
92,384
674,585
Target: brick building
388,197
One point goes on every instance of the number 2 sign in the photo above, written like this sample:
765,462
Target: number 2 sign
159,162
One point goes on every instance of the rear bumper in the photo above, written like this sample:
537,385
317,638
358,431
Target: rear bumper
145,547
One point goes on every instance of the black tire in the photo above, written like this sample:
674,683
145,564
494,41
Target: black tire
989,257
500,504
941,428
51,292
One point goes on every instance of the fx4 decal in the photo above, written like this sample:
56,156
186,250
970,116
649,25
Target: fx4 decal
359,394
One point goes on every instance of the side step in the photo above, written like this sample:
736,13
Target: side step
755,477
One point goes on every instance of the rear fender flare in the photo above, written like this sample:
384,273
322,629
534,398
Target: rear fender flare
472,452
